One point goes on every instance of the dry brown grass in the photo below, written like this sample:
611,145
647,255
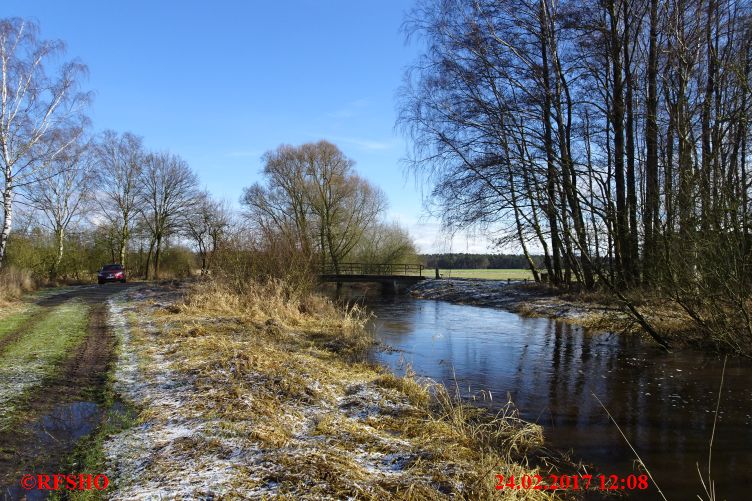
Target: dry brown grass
280,373
14,283
281,308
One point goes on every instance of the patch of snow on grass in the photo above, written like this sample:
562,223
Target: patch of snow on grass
171,453
16,379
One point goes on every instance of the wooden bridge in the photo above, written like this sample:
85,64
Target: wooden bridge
391,276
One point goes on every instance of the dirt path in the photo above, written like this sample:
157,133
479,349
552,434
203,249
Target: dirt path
67,404
91,294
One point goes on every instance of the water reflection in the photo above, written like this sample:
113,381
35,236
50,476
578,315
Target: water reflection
67,423
664,403
61,428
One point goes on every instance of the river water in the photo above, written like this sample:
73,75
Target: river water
664,403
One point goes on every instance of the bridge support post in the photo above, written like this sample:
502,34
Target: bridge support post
389,287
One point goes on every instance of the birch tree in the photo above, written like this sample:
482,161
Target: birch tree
63,196
39,98
609,134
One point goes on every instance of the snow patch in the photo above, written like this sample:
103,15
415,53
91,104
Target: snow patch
157,458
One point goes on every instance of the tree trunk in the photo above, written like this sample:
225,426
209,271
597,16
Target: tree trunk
621,242
705,177
551,209
60,235
157,252
633,239
7,218
652,202
149,255
123,243
668,174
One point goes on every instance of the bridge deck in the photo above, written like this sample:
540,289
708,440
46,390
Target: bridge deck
369,272
372,278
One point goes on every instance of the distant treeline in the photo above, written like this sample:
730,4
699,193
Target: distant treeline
478,261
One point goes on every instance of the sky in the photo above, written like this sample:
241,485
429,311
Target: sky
221,82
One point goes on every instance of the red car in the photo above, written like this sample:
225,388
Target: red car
111,273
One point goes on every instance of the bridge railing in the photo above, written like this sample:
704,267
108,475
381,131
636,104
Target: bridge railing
374,269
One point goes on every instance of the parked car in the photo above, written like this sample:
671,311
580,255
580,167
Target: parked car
111,273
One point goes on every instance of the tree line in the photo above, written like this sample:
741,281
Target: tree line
479,261
106,196
610,136
73,199
62,185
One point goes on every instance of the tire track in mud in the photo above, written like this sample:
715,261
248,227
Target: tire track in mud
66,406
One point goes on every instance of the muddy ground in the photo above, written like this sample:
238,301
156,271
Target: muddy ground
67,405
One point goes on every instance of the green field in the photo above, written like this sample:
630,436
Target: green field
499,274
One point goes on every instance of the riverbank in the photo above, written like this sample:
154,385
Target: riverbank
593,311
519,297
266,393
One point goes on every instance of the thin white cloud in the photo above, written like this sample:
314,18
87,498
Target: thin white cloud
350,110
366,144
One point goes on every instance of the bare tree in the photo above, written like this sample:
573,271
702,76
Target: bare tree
314,200
206,226
119,160
34,108
64,195
281,206
606,133
345,204
168,196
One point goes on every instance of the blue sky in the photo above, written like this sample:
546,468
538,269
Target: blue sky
221,82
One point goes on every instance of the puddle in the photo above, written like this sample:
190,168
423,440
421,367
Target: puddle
60,429
16,493
67,424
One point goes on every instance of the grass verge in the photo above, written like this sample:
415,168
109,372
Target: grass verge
11,318
264,392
